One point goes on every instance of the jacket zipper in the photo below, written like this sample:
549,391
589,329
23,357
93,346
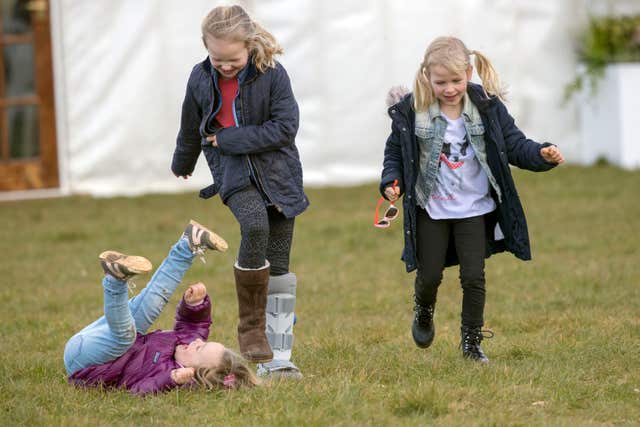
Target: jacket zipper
252,166
212,113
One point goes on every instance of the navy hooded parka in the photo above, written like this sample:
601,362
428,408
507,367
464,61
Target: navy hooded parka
505,145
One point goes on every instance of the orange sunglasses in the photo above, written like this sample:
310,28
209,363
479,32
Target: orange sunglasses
389,215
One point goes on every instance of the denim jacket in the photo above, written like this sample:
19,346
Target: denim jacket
430,128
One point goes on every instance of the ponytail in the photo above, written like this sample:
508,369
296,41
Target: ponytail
488,75
422,92
263,46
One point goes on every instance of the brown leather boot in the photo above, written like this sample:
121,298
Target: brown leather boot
251,287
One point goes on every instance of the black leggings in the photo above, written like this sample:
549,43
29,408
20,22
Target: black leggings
266,233
433,240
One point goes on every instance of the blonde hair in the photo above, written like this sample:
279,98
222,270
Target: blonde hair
232,23
232,373
452,54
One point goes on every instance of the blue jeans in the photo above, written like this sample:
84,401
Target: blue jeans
113,334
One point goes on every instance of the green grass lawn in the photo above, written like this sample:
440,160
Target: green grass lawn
567,324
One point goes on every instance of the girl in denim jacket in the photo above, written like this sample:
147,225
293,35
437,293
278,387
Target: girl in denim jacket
450,148
240,111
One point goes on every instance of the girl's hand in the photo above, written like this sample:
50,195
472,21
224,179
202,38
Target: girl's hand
183,176
182,375
195,294
392,193
212,140
552,154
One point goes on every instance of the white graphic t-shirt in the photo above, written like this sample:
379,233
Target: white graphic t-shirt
462,188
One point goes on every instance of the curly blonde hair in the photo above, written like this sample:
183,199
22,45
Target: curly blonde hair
234,24
232,373
451,53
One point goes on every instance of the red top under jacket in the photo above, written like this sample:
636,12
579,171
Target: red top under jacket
229,89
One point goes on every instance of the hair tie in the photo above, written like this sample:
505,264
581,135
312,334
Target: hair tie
229,380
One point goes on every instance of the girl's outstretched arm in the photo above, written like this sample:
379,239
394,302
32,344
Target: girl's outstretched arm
163,381
521,151
194,319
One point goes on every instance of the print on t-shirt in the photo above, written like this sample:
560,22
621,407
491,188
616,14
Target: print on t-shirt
452,161
461,188
453,157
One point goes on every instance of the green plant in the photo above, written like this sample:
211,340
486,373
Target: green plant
608,39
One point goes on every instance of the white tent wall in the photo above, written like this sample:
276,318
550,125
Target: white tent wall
123,72
122,68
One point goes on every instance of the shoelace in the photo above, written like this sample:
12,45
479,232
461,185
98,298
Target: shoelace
474,338
423,314
471,343
196,250
131,286
199,252
488,331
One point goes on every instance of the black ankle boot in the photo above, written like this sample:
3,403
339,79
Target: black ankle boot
470,343
423,329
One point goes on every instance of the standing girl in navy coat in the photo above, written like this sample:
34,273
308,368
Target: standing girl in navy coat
240,111
450,148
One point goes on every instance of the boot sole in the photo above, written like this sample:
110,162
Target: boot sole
218,242
135,264
422,344
475,360
255,360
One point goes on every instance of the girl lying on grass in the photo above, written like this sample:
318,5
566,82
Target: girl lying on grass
116,351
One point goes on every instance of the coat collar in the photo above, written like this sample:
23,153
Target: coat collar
248,73
480,99
469,113
475,94
404,106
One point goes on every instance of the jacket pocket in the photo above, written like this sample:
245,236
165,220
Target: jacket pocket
216,167
425,133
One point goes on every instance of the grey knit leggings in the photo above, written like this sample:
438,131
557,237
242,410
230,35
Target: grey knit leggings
266,233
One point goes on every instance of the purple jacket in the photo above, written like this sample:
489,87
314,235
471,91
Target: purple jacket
146,367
